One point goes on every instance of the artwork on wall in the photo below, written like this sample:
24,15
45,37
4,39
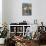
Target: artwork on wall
26,9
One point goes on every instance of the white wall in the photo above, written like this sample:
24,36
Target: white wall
13,11
4,11
16,13
39,10
0,13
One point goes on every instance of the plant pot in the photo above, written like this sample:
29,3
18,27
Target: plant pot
2,40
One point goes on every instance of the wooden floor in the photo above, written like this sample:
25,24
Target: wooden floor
36,44
1,45
42,45
33,45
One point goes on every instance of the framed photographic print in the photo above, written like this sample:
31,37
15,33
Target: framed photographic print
26,9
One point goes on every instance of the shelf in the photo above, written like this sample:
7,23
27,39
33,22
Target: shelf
19,25
20,29
19,32
16,32
12,32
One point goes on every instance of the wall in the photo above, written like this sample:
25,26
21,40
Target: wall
0,13
39,10
4,11
17,11
13,11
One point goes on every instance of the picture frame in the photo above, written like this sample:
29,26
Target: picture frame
26,9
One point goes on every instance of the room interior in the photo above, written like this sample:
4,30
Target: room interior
22,22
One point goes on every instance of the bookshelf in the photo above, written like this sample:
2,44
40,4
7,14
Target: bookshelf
18,29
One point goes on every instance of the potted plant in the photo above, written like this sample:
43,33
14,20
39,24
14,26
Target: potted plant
3,34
